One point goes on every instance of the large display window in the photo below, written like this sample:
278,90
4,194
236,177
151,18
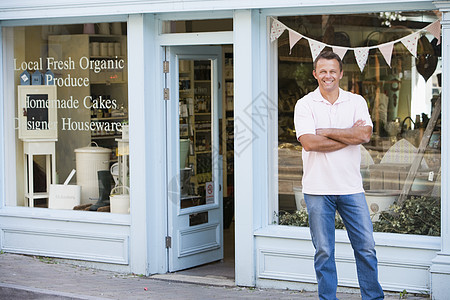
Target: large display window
70,116
400,166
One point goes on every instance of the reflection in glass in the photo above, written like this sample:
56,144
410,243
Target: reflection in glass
195,109
400,166
78,99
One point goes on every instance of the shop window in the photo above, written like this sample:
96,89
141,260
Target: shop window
404,103
186,26
71,115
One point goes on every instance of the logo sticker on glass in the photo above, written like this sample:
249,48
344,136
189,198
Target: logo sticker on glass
209,187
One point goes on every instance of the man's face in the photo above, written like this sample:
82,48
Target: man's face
328,74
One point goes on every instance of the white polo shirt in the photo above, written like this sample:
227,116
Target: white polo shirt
336,172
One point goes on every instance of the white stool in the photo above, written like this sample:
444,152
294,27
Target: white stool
33,148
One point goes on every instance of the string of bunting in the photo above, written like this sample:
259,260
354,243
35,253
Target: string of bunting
361,53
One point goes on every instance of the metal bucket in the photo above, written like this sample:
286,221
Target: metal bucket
299,198
90,160
120,203
184,151
380,200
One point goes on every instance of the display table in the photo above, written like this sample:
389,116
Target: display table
32,148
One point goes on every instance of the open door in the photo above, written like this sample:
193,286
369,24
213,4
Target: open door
195,219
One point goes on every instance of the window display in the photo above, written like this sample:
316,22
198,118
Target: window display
70,90
395,64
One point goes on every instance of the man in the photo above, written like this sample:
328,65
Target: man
331,124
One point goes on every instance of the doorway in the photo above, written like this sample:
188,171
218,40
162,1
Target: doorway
199,130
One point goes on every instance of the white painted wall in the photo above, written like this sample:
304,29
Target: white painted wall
140,81
77,235
2,137
440,270
284,255
104,239
264,254
26,9
245,88
285,259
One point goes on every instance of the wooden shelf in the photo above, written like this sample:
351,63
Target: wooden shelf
107,57
105,137
107,82
202,152
296,59
109,118
37,195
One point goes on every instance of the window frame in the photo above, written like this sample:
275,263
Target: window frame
9,207
272,228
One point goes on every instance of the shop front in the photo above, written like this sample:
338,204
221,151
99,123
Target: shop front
126,137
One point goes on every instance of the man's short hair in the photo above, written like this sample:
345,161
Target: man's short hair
328,55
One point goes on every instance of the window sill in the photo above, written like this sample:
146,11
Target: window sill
382,239
65,215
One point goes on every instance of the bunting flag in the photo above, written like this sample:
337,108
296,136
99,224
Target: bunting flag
340,51
361,55
410,42
294,37
435,29
386,50
277,29
316,47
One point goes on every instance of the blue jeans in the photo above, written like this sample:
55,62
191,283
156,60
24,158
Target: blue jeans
355,214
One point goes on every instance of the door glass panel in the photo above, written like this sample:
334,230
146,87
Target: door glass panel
195,114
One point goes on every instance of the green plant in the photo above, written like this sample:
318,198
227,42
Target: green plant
297,218
403,294
47,260
416,215
300,218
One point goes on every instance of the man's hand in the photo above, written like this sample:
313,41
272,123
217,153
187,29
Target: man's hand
359,133
328,131
319,143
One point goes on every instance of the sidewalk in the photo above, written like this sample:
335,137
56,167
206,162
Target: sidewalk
29,277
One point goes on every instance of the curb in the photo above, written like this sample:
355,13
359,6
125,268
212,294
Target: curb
200,280
44,292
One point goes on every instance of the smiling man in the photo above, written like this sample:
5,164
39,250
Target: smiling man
331,124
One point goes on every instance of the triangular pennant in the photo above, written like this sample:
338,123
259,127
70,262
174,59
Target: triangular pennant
277,29
340,51
361,55
435,29
386,50
316,47
294,37
410,42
